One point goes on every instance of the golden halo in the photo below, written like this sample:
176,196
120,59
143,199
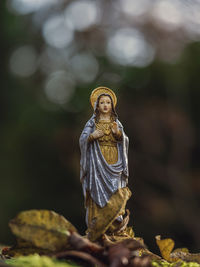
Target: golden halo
99,91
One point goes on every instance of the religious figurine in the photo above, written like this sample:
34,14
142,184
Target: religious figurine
104,166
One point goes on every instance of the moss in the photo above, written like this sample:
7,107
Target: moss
163,263
39,261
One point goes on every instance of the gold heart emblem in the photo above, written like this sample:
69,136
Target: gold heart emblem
107,132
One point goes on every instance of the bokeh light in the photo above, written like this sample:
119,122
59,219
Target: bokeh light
192,20
59,87
128,47
168,14
23,61
52,59
134,8
82,14
24,7
85,67
56,32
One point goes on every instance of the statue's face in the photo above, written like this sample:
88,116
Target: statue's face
105,105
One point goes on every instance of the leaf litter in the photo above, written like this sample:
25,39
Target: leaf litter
45,238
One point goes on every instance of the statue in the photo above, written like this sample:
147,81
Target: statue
104,166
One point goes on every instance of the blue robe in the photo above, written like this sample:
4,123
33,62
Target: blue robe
97,176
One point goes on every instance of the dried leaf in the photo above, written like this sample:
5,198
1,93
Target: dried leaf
43,228
132,244
119,255
23,243
81,243
166,246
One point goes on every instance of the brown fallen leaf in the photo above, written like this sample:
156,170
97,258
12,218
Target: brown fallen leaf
81,243
118,255
43,229
109,240
133,244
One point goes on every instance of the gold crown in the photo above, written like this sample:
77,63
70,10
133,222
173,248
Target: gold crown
99,91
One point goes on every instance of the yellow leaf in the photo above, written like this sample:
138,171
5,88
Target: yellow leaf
43,229
166,246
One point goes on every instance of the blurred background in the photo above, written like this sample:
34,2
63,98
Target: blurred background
53,53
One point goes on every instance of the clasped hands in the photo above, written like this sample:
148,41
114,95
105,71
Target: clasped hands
99,133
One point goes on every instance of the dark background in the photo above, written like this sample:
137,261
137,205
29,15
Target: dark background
53,54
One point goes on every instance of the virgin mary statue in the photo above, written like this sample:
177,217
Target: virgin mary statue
104,166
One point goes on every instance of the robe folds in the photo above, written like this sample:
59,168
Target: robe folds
99,178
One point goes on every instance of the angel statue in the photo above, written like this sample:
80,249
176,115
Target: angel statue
104,167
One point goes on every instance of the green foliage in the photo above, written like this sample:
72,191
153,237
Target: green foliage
44,261
163,263
39,261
